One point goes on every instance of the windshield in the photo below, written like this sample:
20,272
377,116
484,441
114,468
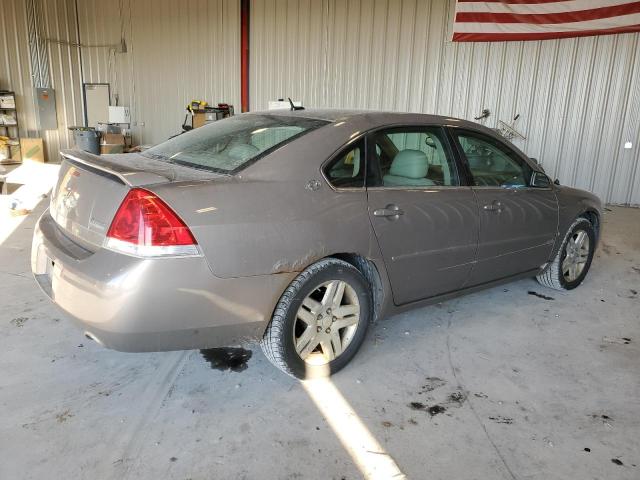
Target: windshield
227,146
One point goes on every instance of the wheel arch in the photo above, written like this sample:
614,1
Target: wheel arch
371,273
594,217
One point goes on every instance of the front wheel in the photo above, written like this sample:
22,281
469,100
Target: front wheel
320,321
572,262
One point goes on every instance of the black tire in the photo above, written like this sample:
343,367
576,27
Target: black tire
553,276
278,340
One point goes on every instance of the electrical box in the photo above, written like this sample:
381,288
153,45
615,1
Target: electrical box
46,103
119,115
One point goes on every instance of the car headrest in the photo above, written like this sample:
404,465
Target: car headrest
243,151
353,158
410,163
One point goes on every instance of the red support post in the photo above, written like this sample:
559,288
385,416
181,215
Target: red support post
245,11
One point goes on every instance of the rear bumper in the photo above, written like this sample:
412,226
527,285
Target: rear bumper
141,305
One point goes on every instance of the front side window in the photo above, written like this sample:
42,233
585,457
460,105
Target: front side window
493,164
413,157
229,145
347,169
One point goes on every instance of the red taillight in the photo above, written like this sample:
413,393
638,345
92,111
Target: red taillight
146,223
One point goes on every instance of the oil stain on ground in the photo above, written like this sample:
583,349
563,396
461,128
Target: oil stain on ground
457,397
433,410
431,383
228,358
501,419
436,409
20,321
64,416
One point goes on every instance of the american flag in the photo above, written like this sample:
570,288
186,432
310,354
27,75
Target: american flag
502,20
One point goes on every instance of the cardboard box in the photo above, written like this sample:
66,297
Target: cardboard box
199,119
4,152
107,148
202,118
32,149
112,143
112,139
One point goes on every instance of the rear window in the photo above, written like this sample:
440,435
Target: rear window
228,146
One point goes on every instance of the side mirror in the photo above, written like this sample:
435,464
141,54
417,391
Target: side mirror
540,180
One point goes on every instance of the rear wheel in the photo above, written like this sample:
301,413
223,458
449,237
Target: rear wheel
320,321
571,264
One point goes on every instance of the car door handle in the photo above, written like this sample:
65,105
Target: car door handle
493,207
390,211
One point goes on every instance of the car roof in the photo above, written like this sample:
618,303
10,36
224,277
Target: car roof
374,118
365,120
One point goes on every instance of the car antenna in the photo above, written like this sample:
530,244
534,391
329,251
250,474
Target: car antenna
293,107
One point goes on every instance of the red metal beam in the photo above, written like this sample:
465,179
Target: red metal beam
245,11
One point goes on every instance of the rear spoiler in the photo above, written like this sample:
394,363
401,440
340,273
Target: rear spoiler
123,168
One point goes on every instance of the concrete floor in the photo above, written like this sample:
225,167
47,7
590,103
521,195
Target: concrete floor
528,385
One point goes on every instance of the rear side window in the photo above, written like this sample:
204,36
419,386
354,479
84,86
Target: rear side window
492,163
347,169
229,145
413,157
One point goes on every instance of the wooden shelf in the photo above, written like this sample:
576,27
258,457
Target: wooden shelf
14,140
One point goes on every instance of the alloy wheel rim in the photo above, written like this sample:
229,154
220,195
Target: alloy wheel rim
576,255
326,322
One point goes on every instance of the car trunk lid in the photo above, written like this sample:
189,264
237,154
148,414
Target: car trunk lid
90,189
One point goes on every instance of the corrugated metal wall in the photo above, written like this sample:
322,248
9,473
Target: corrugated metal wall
58,21
175,53
15,72
578,99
